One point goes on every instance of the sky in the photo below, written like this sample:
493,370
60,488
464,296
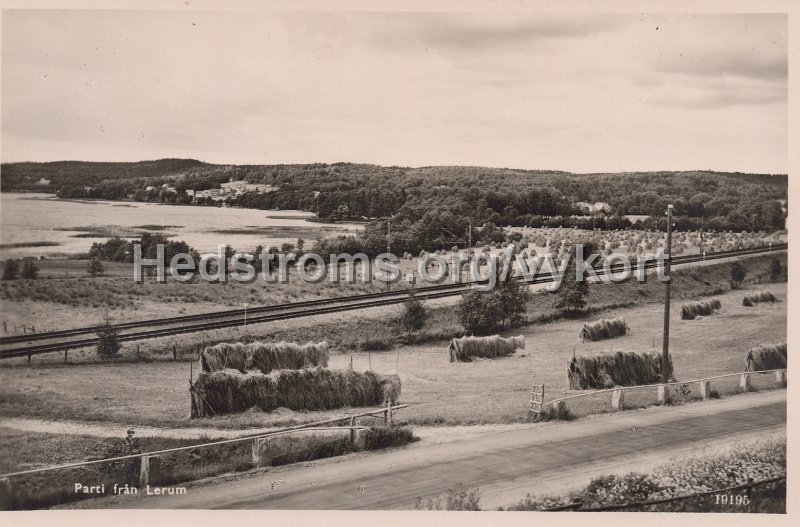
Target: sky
583,93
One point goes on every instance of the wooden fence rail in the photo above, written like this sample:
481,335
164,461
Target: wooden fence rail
744,384
386,412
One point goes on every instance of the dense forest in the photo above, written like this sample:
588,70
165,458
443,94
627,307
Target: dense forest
432,206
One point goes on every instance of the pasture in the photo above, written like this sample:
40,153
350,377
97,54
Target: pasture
483,391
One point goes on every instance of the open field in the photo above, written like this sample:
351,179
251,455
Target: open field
156,393
343,330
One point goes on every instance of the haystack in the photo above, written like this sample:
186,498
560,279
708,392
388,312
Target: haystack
225,355
767,357
604,329
266,357
465,349
230,391
702,308
263,357
756,298
617,369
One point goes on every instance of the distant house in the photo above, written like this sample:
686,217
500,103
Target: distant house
598,207
240,187
148,188
233,187
43,182
190,192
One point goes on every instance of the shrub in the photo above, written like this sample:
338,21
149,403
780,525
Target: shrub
95,268
10,269
109,345
746,463
29,269
757,298
618,369
389,436
414,314
775,270
604,329
485,312
738,273
558,413
456,499
702,308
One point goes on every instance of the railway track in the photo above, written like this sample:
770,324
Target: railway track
57,341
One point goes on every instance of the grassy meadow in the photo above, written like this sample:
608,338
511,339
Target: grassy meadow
484,391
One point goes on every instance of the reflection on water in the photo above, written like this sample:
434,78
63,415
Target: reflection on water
40,224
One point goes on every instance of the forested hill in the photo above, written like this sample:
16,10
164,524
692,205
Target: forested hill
450,195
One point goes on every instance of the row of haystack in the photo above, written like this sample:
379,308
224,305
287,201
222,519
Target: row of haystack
615,369
702,308
604,329
767,357
757,298
228,391
263,356
465,349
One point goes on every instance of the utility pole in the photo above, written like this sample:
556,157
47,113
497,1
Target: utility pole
388,247
469,255
668,250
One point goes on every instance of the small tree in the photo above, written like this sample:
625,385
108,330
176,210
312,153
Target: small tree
572,295
30,270
738,272
10,269
95,268
482,313
109,345
414,314
775,270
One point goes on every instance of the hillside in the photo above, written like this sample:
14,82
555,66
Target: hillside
449,196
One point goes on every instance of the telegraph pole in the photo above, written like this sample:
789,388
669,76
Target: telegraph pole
469,255
668,250
388,247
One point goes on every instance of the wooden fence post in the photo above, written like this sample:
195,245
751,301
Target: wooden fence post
780,376
174,353
261,452
662,393
150,471
617,399
65,355
744,382
389,413
5,493
704,389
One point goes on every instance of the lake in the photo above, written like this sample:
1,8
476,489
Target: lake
50,226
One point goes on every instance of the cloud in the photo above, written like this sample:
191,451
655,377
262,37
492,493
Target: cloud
469,32
715,93
749,64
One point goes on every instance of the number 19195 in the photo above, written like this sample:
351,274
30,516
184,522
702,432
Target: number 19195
732,499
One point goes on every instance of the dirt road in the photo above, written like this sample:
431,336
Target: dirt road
504,463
